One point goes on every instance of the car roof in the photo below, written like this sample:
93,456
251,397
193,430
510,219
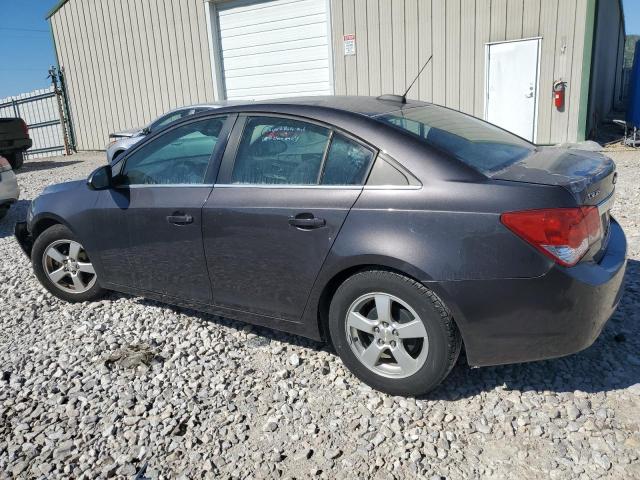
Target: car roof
363,105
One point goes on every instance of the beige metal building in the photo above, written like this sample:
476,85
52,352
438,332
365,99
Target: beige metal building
128,61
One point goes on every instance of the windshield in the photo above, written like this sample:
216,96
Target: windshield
480,145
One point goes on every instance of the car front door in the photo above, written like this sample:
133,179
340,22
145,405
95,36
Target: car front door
283,193
152,219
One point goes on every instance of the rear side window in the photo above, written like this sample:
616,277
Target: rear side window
386,172
276,150
479,144
347,162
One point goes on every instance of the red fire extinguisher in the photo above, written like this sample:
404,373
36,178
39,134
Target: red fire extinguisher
559,88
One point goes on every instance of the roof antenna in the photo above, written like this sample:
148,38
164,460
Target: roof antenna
403,98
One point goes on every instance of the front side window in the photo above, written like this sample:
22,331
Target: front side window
479,144
179,156
277,150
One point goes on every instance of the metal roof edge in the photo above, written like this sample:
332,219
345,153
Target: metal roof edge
55,8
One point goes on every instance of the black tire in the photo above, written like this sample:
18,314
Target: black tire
43,241
444,341
16,160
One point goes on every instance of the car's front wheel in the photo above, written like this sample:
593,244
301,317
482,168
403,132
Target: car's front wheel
393,333
63,266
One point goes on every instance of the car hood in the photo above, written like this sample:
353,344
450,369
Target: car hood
62,187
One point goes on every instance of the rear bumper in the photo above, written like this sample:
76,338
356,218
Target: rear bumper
16,145
559,313
9,191
21,232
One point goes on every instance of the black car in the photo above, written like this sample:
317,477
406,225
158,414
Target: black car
396,231
14,141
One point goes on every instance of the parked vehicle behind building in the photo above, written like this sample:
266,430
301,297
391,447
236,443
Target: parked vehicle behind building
394,230
9,191
121,141
14,140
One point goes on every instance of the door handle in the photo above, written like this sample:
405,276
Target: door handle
180,219
307,221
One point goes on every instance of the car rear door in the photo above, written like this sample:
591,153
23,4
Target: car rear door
152,219
283,192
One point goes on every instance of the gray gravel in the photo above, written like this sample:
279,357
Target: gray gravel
103,390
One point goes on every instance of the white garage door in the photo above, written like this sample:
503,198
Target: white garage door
275,49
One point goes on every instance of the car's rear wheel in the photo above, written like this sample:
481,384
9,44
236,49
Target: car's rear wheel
63,266
393,333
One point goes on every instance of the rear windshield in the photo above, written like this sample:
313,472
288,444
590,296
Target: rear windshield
480,145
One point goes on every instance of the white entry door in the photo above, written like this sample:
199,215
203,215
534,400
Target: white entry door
512,86
276,48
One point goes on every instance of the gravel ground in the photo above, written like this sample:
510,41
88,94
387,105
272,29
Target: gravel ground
101,390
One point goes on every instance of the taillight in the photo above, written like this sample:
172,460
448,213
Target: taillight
4,164
25,127
564,234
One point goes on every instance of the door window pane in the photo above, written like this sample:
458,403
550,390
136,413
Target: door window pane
168,118
279,151
179,156
347,162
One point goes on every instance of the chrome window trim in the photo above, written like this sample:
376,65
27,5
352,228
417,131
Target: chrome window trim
168,185
393,187
322,187
284,185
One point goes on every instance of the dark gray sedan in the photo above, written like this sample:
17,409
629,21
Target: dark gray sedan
396,231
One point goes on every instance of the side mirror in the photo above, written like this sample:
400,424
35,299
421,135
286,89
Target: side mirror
101,178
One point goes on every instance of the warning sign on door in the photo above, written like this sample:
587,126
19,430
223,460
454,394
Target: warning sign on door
350,44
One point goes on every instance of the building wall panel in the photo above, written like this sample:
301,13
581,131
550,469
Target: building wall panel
425,49
128,61
147,57
607,63
456,32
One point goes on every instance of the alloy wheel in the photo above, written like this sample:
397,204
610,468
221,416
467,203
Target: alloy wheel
67,265
387,335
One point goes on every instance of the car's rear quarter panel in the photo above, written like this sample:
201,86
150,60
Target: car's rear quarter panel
440,234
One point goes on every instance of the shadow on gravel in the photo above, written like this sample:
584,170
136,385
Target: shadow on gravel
611,363
34,166
264,335
18,211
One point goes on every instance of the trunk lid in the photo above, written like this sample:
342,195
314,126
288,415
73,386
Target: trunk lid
589,176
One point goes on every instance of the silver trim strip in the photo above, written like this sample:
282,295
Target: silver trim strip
321,187
284,186
607,203
393,187
173,185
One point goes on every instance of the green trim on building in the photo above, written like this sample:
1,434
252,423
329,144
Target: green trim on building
67,110
56,7
587,64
